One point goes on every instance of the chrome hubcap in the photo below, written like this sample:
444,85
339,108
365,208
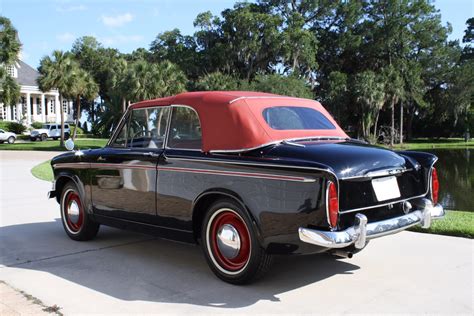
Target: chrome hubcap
228,241
73,212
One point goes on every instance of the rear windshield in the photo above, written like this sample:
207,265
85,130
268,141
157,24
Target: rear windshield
295,118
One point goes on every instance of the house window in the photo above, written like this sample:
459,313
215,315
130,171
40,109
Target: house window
51,107
38,106
13,113
11,70
3,112
65,107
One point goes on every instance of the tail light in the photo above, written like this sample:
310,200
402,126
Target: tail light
332,204
434,186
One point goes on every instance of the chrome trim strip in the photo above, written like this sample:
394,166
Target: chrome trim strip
381,205
361,231
380,173
267,176
239,174
265,97
225,151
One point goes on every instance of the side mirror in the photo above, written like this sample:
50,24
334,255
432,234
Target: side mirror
69,144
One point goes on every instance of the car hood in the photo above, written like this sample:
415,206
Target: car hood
346,158
39,131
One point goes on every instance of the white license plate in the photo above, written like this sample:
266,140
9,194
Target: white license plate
386,188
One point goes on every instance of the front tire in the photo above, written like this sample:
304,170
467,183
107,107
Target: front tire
230,244
76,222
43,137
11,140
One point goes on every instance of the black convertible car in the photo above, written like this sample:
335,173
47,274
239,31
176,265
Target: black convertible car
247,175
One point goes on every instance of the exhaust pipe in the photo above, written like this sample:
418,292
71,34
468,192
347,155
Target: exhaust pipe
343,254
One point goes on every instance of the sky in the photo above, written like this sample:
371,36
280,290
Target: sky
46,25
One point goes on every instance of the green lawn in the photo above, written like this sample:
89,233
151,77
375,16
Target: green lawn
456,223
425,143
43,171
53,145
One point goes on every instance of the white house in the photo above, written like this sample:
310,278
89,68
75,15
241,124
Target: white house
34,105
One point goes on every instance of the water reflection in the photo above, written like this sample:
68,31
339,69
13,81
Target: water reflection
456,178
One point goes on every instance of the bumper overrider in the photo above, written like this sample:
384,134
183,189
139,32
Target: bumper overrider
362,231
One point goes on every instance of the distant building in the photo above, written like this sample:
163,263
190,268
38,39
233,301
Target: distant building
33,105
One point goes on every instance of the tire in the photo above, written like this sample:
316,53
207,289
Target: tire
33,139
237,266
76,222
66,136
11,140
43,137
55,138
1,141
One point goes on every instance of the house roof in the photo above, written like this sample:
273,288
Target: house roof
233,120
27,75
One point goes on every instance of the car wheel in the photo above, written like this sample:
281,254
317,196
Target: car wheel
230,244
11,140
44,137
66,136
1,141
33,139
76,222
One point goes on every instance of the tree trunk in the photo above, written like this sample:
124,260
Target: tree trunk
401,122
392,130
61,143
375,125
124,105
78,115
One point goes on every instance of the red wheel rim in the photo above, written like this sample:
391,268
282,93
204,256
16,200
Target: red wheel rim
241,259
73,211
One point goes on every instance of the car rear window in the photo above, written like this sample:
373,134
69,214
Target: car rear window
295,118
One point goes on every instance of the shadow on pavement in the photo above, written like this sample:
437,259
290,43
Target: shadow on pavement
131,267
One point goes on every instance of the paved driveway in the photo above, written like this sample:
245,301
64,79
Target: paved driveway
123,272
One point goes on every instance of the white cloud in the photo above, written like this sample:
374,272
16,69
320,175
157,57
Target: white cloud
65,37
71,8
121,39
117,20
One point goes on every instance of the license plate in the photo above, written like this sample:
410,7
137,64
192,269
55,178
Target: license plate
386,188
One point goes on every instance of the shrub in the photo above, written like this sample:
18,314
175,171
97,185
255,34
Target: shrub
79,129
36,125
13,127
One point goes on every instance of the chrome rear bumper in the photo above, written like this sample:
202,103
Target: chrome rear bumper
358,234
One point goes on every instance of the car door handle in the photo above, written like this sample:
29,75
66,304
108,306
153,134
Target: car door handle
151,154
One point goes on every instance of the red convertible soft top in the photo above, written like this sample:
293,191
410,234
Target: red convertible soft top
233,120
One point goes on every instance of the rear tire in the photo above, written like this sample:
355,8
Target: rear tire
76,221
230,244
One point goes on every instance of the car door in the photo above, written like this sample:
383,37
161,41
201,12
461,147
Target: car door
54,131
3,135
124,173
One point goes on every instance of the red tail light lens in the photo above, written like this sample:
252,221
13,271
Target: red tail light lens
332,204
434,186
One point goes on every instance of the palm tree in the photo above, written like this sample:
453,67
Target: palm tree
369,91
147,81
394,91
54,74
9,50
81,85
9,43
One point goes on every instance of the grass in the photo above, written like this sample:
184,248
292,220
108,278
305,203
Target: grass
53,145
43,171
426,143
456,223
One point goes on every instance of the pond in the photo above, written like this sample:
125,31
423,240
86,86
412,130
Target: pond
456,178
